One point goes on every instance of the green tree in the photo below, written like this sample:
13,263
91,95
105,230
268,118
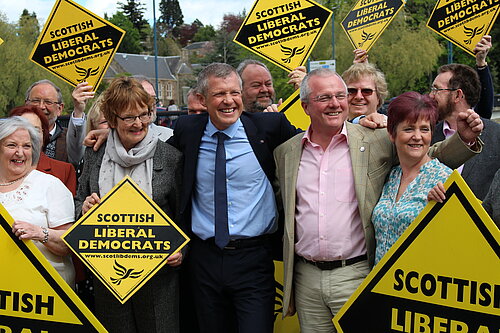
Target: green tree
131,42
17,70
134,10
170,16
204,33
28,26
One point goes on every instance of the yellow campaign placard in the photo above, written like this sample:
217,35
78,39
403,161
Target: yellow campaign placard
1,41
287,324
125,239
283,31
33,296
294,112
462,22
76,44
368,19
442,275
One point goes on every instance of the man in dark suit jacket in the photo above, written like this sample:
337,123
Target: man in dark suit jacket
232,281
457,88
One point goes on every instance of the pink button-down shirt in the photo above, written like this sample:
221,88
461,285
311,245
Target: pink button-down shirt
327,222
448,131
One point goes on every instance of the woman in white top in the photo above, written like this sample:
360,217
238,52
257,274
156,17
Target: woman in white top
40,204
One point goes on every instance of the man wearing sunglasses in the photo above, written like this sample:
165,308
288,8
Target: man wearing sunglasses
366,89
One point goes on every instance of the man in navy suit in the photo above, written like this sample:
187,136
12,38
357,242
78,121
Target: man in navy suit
233,281
457,88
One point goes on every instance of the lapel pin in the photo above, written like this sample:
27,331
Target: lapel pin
361,149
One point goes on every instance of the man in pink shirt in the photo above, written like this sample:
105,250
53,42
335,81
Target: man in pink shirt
331,177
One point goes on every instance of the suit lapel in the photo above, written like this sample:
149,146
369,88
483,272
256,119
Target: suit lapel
291,171
259,145
359,151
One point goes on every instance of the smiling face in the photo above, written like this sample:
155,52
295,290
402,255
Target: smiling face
131,134
16,155
223,100
412,141
44,93
258,90
361,102
327,117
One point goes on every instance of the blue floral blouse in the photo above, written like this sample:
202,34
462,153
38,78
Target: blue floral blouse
391,218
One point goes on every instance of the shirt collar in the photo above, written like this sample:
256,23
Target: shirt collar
343,133
447,130
230,131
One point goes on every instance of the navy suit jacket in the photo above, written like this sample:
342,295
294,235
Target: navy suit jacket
478,172
265,131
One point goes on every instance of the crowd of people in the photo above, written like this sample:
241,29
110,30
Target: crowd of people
247,186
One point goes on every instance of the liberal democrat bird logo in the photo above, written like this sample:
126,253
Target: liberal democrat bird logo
124,273
291,52
366,36
472,32
86,72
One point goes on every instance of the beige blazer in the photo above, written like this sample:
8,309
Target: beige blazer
372,156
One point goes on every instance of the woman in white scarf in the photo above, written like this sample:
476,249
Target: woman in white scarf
133,150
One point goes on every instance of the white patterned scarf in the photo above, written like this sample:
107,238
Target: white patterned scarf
137,163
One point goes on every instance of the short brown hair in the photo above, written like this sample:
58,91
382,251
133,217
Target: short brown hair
122,94
20,110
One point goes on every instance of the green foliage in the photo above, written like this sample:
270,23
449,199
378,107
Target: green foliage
204,33
16,68
167,46
134,10
170,16
131,42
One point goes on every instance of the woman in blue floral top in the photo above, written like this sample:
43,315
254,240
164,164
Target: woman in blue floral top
410,122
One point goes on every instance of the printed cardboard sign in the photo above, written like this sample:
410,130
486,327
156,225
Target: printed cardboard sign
76,44
125,239
283,31
464,23
368,19
294,112
442,275
33,296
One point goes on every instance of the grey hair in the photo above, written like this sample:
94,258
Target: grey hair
216,69
192,91
45,81
241,67
12,124
305,90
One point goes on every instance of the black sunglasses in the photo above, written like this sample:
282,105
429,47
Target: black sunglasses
365,91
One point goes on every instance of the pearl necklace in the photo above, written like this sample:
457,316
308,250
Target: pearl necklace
12,182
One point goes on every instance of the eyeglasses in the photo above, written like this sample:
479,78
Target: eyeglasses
37,101
364,91
143,117
436,90
328,98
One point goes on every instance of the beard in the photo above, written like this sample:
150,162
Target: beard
256,106
446,110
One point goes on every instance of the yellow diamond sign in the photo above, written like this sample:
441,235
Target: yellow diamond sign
294,112
33,296
283,31
76,44
442,275
125,239
368,19
464,23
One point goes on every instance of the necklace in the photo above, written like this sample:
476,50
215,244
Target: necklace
12,182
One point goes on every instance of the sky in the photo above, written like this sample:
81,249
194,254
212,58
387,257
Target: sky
207,11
